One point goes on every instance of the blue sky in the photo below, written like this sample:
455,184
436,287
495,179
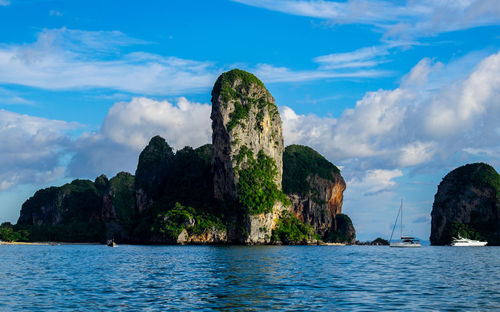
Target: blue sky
396,93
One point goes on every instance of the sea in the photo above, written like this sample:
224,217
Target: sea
248,278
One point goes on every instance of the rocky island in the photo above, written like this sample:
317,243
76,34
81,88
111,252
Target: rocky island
467,203
244,188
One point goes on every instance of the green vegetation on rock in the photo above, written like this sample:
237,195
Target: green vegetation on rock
238,116
238,93
122,186
82,232
380,242
172,222
464,230
290,230
151,168
228,78
479,174
9,234
345,230
257,190
300,162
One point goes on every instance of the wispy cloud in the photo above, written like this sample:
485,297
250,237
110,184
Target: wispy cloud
270,73
55,13
64,59
4,2
72,59
364,57
8,97
396,18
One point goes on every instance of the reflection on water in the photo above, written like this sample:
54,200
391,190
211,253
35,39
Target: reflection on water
156,278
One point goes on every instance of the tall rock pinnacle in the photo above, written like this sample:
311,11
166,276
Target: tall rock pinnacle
248,150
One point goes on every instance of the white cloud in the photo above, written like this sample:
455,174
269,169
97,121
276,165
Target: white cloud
134,123
397,18
31,148
129,126
269,74
375,181
69,59
416,153
409,126
63,59
8,97
364,57
4,2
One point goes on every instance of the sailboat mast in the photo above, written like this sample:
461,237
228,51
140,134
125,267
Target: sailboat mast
401,208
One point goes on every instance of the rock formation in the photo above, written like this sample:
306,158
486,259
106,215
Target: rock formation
247,136
78,211
315,188
151,172
226,192
467,202
118,206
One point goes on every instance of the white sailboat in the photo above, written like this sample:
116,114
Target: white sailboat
406,241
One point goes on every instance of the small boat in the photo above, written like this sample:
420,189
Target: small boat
111,243
406,241
465,242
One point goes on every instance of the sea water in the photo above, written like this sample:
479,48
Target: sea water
305,278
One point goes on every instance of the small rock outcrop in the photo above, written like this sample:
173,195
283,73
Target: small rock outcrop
467,203
248,150
315,188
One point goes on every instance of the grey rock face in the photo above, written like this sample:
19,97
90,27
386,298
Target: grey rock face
244,118
322,205
210,236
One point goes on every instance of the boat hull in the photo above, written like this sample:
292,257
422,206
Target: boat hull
405,245
478,244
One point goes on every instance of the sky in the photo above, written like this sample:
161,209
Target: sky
395,93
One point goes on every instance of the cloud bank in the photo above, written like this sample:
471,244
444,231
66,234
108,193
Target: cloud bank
128,127
31,149
412,124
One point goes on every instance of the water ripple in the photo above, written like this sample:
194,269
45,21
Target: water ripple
229,278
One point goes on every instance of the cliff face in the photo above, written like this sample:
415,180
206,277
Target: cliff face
78,201
174,196
247,138
151,172
118,206
315,188
467,203
80,211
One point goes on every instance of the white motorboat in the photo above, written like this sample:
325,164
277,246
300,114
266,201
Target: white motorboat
406,241
465,242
